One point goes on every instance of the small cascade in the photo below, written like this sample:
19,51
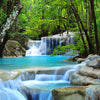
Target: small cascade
41,95
26,76
60,41
70,40
34,49
74,69
8,91
35,86
44,95
47,77
47,44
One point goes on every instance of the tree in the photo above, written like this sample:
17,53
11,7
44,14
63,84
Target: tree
5,26
95,25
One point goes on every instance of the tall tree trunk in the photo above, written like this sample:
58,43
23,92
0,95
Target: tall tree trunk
95,26
67,19
83,28
6,25
81,34
90,28
90,19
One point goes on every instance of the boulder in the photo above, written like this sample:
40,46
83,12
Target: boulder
13,49
91,92
78,79
92,57
93,61
69,93
89,71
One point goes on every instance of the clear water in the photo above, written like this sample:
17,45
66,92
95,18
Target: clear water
47,85
38,89
34,61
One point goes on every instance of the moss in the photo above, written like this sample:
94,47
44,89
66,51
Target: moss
13,48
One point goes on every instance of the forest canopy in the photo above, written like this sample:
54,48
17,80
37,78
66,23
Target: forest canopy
46,17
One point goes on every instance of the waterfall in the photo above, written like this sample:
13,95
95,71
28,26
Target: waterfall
36,86
70,40
8,91
60,41
47,44
34,49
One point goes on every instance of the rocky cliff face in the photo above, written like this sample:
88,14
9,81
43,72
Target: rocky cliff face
88,80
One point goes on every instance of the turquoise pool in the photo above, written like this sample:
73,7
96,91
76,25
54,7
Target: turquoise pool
34,61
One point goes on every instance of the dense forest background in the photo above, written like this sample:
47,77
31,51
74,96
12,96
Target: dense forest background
46,17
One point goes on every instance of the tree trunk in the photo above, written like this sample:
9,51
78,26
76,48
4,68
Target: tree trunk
95,26
6,25
81,34
83,28
90,29
90,19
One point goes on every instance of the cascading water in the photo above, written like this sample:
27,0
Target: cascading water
38,86
34,49
8,91
47,45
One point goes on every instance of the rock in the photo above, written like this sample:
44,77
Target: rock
93,92
93,61
9,75
78,79
92,57
69,93
13,49
79,60
89,71
72,59
55,70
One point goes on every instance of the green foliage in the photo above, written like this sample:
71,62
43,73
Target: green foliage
59,50
3,8
46,17
42,18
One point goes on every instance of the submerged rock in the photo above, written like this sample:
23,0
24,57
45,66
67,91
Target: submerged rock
13,49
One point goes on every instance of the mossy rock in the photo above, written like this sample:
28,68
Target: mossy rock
13,49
